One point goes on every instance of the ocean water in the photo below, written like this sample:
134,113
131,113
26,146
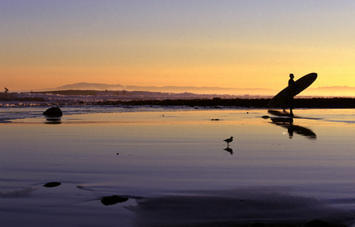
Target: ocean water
18,112
174,167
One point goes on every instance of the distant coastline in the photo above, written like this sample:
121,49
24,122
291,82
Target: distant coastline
143,98
238,102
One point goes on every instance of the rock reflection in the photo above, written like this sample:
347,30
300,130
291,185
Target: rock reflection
53,121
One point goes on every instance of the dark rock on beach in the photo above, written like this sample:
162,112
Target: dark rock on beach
112,200
53,112
52,184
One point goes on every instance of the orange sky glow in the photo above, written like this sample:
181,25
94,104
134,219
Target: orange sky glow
227,44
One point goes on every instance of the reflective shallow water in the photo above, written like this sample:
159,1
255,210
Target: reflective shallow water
175,168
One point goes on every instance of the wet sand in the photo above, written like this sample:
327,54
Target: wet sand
172,168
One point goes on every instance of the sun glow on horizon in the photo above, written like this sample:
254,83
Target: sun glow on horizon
227,44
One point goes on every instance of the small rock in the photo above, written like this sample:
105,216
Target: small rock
53,112
215,119
52,184
265,117
111,200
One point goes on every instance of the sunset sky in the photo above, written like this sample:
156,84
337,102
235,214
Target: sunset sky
228,44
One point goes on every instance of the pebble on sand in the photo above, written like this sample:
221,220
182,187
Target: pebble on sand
52,184
113,199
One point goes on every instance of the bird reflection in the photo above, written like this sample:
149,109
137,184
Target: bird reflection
291,128
229,150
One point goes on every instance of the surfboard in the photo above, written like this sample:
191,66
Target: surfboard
281,99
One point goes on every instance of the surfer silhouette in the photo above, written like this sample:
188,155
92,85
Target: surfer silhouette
292,86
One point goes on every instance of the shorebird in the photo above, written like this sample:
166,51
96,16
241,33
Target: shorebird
229,140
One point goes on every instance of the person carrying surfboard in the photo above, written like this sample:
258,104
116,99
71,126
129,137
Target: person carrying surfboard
292,87
284,99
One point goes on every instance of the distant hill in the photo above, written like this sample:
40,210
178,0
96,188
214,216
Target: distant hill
168,89
90,86
129,95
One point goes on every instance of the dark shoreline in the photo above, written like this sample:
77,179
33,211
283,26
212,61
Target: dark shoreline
246,103
320,102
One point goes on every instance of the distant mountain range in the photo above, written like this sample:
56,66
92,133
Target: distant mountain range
90,86
202,90
312,91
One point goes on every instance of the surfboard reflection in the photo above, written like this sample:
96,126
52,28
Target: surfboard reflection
291,128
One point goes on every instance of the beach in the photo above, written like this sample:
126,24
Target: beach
171,167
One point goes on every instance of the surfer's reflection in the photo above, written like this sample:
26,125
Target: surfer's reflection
291,128
290,132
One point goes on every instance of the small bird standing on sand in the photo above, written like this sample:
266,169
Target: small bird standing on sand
229,140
